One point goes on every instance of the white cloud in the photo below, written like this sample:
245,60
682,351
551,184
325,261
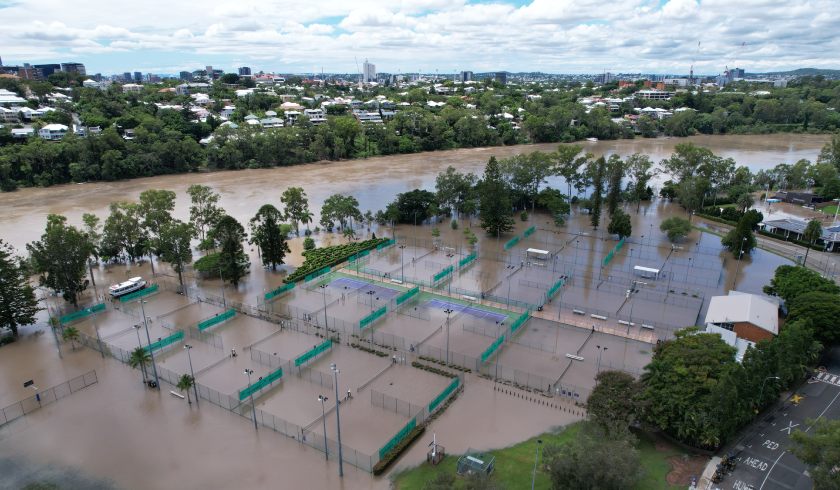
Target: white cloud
548,35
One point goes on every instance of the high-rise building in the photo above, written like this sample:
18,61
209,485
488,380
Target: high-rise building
126,76
185,75
138,76
605,78
72,67
501,77
466,76
738,73
368,72
244,71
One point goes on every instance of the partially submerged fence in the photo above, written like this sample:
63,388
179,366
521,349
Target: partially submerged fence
46,397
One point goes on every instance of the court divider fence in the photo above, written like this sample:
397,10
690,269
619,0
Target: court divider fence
46,396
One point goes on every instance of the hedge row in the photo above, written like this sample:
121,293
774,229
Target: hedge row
431,369
395,453
329,256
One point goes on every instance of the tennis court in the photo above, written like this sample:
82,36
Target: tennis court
442,304
350,284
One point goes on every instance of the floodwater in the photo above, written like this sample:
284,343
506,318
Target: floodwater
117,432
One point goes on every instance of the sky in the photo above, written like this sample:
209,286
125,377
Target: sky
336,36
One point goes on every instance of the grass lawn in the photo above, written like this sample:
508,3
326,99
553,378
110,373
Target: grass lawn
514,465
829,209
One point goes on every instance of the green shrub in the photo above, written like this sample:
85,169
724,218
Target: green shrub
318,258
395,453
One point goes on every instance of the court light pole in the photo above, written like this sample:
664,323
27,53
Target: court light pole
139,342
335,371
738,265
149,338
601,350
402,263
188,348
323,400
448,312
249,372
98,338
222,278
536,459
371,293
324,289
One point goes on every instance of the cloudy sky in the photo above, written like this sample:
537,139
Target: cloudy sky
557,36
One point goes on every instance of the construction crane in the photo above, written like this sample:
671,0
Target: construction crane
693,60
359,72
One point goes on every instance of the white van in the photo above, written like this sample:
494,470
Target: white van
129,286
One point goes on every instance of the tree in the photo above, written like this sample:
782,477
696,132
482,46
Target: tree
266,234
620,224
686,161
156,207
831,152
228,235
566,164
615,172
821,451
744,201
297,207
641,171
597,172
789,281
453,189
18,305
613,402
71,334
123,232
174,243
494,199
185,383
740,240
60,257
691,192
94,235
676,228
415,206
308,244
680,385
204,210
813,232
579,464
821,310
140,357
343,209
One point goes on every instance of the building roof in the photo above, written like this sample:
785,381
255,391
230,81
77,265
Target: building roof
793,225
55,127
742,307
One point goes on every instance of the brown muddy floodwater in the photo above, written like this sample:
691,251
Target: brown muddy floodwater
117,433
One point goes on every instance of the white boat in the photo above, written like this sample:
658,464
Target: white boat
129,286
592,140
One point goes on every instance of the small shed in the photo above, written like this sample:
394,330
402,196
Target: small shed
476,463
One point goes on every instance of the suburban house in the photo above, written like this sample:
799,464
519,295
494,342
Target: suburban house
132,88
801,198
794,228
316,116
53,132
743,319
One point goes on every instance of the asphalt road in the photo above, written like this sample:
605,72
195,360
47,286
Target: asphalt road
764,461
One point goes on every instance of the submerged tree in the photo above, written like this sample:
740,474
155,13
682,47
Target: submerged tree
297,207
227,236
495,207
60,257
18,305
267,235
597,170
204,209
174,243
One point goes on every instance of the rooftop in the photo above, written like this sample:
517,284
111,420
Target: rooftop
742,307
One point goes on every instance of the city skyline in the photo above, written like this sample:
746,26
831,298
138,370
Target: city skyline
647,36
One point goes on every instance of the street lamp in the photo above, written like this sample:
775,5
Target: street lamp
188,348
601,350
335,371
536,459
448,312
249,372
738,265
323,400
371,293
761,392
324,289
149,338
224,302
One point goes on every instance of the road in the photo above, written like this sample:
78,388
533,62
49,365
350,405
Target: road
764,460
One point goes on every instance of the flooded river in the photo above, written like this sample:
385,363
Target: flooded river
374,182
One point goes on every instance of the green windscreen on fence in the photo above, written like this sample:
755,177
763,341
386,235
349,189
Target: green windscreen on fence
555,288
519,322
82,313
386,244
277,292
529,232
160,344
619,245
511,243
139,294
366,321
313,275
493,347
608,259
261,383
397,438
205,324
466,260
314,352
446,392
445,272
408,295
359,255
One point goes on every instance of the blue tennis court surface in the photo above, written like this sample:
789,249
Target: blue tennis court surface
356,284
469,310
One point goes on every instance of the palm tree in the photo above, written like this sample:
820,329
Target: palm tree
813,231
71,334
184,384
140,357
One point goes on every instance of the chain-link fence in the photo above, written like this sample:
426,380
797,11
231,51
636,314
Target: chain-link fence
392,404
208,338
47,396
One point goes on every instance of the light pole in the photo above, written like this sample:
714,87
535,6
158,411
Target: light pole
149,338
98,338
448,312
335,371
249,372
601,350
323,400
371,293
222,278
402,263
188,348
324,289
738,265
536,459
761,392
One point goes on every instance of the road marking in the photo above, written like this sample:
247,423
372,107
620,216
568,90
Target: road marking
790,426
